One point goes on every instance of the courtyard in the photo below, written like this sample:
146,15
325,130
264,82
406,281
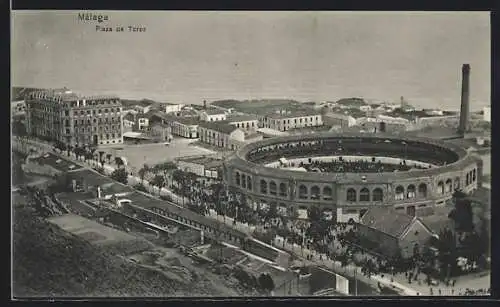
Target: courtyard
151,154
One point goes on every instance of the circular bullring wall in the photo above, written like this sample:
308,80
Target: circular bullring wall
260,172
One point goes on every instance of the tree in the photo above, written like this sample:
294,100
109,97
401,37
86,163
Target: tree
266,282
101,158
447,252
108,157
158,181
314,214
143,171
119,162
120,175
462,213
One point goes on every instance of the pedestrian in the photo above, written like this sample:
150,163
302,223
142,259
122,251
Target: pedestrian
439,291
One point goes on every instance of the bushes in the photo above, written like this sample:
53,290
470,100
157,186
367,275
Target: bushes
120,175
140,187
166,197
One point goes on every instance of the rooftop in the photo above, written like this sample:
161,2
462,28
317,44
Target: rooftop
208,162
214,111
294,113
64,94
387,220
188,121
222,127
241,118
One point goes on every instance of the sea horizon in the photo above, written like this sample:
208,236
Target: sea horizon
189,57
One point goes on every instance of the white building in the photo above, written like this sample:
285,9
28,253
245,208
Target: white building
221,135
213,115
338,119
487,114
142,108
284,120
143,123
185,127
203,166
172,107
245,122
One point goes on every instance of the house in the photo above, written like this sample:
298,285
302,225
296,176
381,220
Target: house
338,120
142,123
284,120
172,107
389,233
143,108
245,122
212,115
186,127
160,132
128,125
221,134
209,169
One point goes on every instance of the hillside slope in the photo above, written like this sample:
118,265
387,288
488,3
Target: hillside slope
51,262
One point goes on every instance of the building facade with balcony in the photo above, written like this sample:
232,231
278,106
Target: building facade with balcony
61,115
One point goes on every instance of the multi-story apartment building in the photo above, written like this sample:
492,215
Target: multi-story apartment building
285,120
61,115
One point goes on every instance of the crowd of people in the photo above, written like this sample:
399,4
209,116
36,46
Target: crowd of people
359,166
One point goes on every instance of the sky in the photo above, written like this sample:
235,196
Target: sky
189,56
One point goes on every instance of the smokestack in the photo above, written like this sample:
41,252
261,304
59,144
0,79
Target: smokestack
464,106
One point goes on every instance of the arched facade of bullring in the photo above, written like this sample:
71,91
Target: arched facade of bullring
354,196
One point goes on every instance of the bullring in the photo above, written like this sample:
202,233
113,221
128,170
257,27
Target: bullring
404,172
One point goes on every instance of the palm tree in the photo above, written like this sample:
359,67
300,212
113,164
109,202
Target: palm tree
143,171
159,182
101,157
119,162
108,157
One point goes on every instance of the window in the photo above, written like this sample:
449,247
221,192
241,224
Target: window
364,194
327,193
457,183
410,191
400,193
243,181
283,189
263,186
467,179
422,190
448,186
302,192
249,183
351,195
315,192
272,188
474,175
377,194
440,187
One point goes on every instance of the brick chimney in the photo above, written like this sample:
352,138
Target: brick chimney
464,124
